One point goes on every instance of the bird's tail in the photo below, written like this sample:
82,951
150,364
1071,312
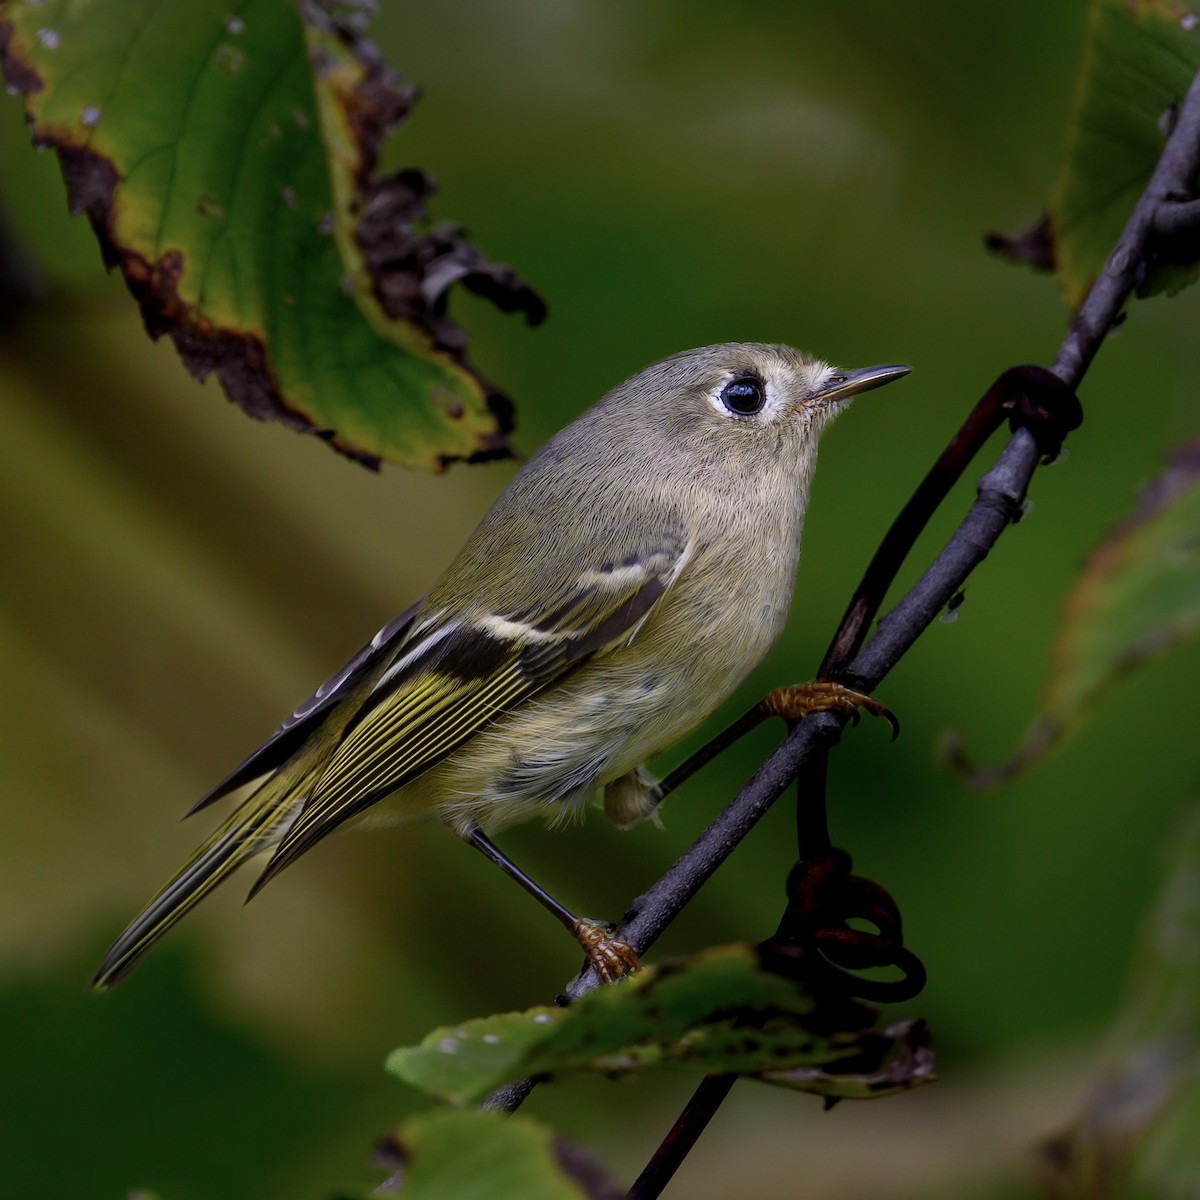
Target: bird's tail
257,824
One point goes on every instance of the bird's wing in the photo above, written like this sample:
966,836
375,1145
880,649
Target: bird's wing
453,676
295,729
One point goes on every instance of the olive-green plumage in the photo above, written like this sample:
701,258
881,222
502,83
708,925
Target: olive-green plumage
624,583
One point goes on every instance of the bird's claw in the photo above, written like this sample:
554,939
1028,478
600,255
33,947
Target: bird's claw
609,957
792,703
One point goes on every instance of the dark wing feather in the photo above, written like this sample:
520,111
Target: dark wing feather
470,676
299,726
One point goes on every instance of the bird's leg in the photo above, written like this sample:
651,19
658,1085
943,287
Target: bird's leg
822,695
610,958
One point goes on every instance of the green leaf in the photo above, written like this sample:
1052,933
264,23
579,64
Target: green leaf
489,1156
719,1011
224,155
1137,596
1136,1133
1139,60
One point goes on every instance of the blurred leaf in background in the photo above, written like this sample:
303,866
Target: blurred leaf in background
670,176
1137,597
1136,1132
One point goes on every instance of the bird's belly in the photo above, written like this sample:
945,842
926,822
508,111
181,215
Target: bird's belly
547,759
553,755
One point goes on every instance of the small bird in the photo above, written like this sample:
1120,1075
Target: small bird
627,579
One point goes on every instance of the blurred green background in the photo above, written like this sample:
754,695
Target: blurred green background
178,576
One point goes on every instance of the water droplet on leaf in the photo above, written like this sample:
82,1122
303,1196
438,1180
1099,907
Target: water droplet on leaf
229,59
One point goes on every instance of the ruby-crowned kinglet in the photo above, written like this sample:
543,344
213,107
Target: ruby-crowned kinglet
627,579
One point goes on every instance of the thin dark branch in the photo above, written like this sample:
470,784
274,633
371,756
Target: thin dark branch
812,817
985,419
677,1145
1001,492
1170,182
1028,396
686,769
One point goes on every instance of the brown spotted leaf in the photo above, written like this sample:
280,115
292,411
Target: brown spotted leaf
1137,596
224,155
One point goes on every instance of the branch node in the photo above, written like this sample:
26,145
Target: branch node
1038,400
1175,216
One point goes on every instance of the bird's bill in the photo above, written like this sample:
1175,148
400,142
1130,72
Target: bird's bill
843,384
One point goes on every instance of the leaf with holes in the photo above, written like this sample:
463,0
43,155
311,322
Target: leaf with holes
224,155
719,1011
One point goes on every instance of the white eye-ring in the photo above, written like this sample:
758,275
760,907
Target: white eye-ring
744,396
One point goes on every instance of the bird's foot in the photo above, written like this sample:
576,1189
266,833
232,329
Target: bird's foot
609,957
792,703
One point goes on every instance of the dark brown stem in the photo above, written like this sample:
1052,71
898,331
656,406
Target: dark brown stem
726,738
677,1145
812,839
1028,396
812,817
985,419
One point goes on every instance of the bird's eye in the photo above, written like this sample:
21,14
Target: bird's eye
744,396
